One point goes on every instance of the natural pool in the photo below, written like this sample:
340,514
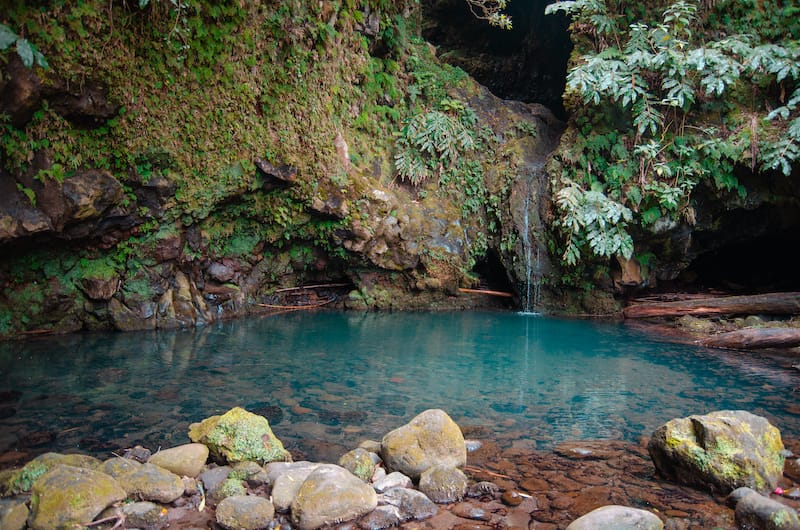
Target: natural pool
328,380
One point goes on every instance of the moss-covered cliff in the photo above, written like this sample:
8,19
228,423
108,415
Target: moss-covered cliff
183,161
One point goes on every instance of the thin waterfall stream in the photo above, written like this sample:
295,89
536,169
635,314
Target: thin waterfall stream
533,266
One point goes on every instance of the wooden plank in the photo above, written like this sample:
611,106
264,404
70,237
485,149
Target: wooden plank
757,304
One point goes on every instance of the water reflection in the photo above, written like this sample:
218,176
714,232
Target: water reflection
328,380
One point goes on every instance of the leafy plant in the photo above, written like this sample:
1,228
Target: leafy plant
29,54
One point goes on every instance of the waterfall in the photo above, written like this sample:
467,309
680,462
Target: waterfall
533,267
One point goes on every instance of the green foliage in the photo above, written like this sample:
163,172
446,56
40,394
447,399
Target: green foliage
660,107
29,53
432,142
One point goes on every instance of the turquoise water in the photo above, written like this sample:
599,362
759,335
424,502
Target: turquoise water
329,380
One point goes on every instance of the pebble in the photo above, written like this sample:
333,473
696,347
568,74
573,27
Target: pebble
511,498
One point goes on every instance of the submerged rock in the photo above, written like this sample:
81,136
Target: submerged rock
330,495
67,496
429,439
617,518
722,451
239,435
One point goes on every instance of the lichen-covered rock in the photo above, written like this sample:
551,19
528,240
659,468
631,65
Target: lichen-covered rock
13,513
429,439
23,480
184,460
758,512
230,487
67,495
359,463
330,495
149,482
617,518
239,435
118,466
286,486
720,451
144,514
412,505
242,512
443,484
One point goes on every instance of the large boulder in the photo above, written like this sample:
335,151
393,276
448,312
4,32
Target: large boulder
720,451
66,496
286,486
184,460
150,482
239,435
617,518
330,495
23,480
430,438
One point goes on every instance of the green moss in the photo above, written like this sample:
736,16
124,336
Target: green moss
24,479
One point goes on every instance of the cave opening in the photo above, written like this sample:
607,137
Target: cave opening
767,263
527,63
492,274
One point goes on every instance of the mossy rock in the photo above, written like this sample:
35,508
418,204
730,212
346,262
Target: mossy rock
431,438
67,496
720,451
23,480
238,436
331,495
359,463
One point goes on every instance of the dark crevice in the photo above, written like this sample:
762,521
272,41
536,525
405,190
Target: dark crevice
527,63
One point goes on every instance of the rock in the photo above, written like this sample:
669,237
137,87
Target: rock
221,272
117,466
13,513
467,510
243,512
99,288
149,482
329,495
90,193
276,469
381,517
617,518
213,477
230,487
250,472
23,480
359,463
511,498
722,451
286,486
479,489
762,513
696,325
395,479
413,505
430,438
239,435
371,445
143,514
443,484
67,495
184,460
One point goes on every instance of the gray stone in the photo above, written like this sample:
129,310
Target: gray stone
184,460
13,513
395,479
412,504
722,450
243,512
330,495
213,477
758,512
359,463
286,486
617,518
145,515
380,518
276,469
152,483
443,484
431,438
66,496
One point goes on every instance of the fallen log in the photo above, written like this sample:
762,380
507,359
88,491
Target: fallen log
486,292
756,304
755,338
